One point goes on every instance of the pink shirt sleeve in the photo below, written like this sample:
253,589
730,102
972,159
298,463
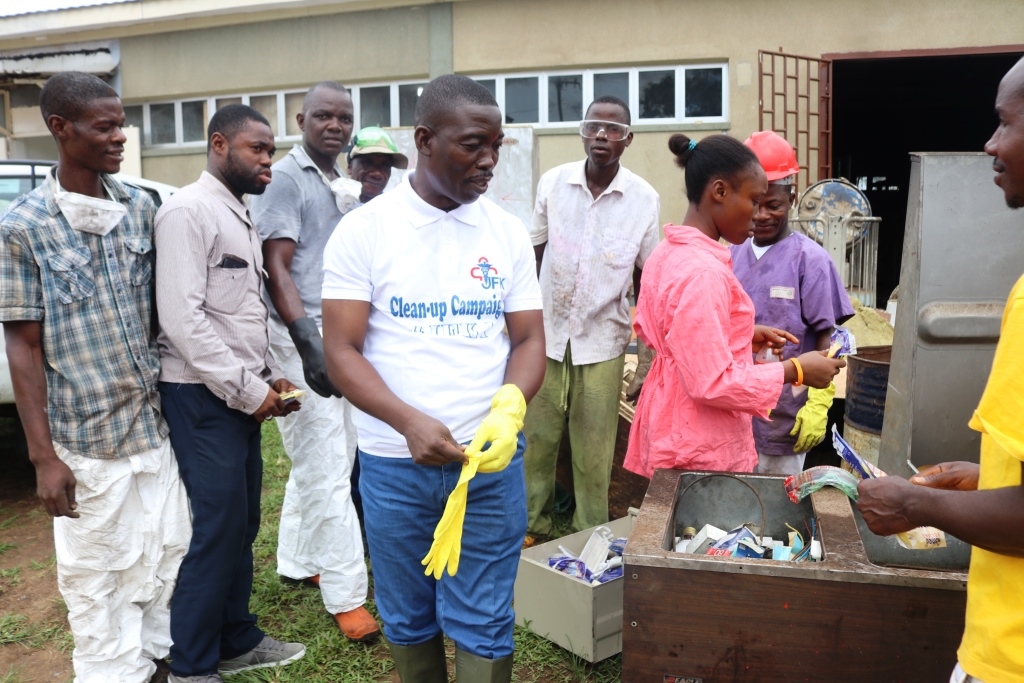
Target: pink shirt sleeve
700,338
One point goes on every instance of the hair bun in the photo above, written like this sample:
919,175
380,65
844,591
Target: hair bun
680,146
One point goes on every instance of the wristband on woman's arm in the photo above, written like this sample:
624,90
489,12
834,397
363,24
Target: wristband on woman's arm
799,372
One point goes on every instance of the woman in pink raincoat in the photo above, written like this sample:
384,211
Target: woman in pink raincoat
696,406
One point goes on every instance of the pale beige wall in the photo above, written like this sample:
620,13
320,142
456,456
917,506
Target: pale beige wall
541,34
273,55
178,170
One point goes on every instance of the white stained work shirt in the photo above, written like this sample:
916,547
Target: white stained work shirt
587,269
439,285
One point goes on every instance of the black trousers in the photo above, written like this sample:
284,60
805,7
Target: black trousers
218,453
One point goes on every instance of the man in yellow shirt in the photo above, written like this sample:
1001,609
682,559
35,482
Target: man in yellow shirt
982,505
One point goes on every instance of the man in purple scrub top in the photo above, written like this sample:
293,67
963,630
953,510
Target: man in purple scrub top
795,287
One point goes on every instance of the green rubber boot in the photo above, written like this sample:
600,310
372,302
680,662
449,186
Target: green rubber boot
473,669
423,663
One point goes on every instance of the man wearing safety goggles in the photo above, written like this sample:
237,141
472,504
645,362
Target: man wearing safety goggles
594,225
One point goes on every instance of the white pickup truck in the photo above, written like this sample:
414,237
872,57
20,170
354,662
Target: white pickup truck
21,177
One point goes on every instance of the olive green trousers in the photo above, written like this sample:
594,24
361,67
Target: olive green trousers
588,395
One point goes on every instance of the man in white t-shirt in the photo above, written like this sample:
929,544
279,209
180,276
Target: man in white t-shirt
431,307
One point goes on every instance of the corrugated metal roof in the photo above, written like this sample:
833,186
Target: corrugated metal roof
13,8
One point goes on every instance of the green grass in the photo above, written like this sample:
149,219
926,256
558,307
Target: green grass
46,564
13,675
4,547
14,628
12,576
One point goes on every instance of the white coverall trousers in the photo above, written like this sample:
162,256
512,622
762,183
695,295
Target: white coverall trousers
319,532
118,562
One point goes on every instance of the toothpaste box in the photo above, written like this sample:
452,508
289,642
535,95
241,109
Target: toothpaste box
708,535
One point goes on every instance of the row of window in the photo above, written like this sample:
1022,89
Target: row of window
668,94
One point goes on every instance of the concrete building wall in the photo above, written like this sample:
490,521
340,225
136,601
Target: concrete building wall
177,169
357,46
497,35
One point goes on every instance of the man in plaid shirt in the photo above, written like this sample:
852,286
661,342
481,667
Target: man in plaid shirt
76,286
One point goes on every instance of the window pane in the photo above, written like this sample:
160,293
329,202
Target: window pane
521,105
491,85
266,105
225,101
657,94
408,96
161,118
565,98
612,84
703,92
375,106
193,121
133,116
292,108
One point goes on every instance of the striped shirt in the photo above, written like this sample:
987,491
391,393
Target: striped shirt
93,296
213,321
592,246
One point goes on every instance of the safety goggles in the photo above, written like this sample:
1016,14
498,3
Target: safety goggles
591,128
373,136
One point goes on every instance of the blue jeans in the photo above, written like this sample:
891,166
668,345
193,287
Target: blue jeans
403,502
218,453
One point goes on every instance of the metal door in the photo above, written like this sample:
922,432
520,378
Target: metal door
795,100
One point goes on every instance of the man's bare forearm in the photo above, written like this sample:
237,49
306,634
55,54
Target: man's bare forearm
28,375
285,297
528,358
992,519
284,294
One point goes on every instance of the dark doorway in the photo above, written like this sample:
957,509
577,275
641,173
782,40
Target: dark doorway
883,109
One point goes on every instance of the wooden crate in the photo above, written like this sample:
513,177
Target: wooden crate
705,619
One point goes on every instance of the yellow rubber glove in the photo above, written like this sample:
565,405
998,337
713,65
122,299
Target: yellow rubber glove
812,419
447,545
501,428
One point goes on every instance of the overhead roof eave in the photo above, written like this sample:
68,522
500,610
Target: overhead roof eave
99,57
131,18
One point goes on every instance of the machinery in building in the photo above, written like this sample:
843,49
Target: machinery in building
837,215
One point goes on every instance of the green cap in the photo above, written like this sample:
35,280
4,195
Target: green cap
374,140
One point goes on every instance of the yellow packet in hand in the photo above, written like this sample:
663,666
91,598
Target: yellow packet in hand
922,538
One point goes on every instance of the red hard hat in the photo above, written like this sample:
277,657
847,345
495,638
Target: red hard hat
777,156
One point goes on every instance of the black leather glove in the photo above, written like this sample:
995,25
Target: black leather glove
310,346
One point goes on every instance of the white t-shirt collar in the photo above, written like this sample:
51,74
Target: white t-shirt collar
422,214
759,251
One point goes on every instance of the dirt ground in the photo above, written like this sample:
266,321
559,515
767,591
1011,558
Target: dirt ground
34,642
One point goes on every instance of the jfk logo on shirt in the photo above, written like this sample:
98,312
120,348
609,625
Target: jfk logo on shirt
487,274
